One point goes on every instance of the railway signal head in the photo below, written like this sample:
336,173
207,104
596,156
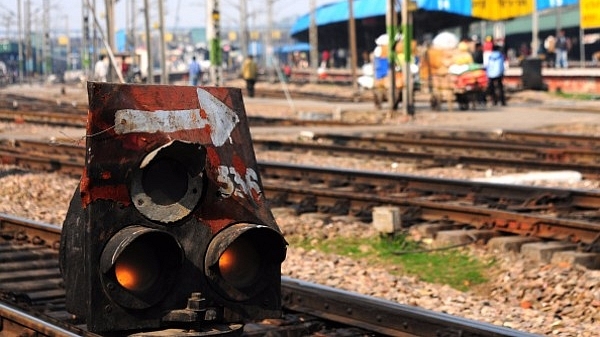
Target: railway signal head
169,226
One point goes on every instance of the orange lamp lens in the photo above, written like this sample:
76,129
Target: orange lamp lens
239,264
137,267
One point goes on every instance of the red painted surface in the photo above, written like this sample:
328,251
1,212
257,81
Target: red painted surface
579,80
113,155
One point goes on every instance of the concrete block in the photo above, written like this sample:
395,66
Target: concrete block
543,251
510,243
386,219
459,237
430,230
588,260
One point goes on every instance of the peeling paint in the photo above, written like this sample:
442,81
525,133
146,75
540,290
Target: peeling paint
221,119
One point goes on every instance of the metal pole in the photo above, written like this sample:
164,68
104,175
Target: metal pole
46,39
313,37
407,104
352,43
244,28
92,8
150,71
390,16
269,42
535,43
110,38
111,56
132,34
164,77
20,40
28,46
84,38
581,47
214,37
68,47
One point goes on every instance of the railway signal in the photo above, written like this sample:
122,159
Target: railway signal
169,227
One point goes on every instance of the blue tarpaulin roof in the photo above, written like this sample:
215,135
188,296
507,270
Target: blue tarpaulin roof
300,46
338,12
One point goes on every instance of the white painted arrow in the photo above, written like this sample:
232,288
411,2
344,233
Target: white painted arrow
220,117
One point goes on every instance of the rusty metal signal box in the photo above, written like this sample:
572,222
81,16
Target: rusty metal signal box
169,228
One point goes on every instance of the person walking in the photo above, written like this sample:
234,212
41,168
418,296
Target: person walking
495,73
195,71
101,69
550,46
561,47
249,74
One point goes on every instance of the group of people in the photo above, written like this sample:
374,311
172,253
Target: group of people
557,50
491,57
248,72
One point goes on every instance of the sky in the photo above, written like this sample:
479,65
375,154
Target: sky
178,13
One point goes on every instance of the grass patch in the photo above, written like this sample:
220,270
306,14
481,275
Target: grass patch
453,267
578,96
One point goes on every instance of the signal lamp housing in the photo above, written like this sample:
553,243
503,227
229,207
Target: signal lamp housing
169,227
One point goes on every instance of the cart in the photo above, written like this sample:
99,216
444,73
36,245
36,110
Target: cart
470,88
467,89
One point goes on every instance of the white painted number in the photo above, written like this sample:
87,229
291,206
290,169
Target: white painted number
233,183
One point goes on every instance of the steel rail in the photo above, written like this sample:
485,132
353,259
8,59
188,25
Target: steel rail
53,118
522,198
507,208
382,316
21,322
506,136
481,146
348,308
67,157
443,155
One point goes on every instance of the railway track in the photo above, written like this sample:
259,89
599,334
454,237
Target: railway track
547,213
20,109
480,151
508,150
32,300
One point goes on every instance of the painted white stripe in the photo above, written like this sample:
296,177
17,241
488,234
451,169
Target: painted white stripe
220,117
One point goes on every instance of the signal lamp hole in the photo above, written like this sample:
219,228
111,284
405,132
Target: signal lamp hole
165,181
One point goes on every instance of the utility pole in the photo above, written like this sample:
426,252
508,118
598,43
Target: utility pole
313,37
269,42
85,37
28,46
408,107
164,76
352,44
110,38
535,29
150,71
46,57
68,46
94,36
20,40
390,18
132,39
244,27
213,34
